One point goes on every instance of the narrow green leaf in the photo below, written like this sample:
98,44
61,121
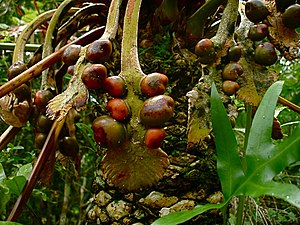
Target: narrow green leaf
287,192
229,164
87,132
260,145
25,170
183,216
2,173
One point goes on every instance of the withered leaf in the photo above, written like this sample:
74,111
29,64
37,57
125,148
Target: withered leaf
132,165
285,39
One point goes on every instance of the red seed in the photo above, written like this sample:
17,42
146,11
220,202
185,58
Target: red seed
154,137
115,86
41,99
118,109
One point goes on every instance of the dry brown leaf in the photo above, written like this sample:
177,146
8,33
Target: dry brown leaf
285,39
132,165
254,82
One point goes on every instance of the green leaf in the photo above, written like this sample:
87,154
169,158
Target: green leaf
229,164
5,197
287,192
2,173
280,156
265,159
25,170
258,182
260,144
180,217
15,184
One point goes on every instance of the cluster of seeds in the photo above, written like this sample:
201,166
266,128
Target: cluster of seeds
231,72
257,12
264,53
43,123
157,109
110,130
67,143
207,55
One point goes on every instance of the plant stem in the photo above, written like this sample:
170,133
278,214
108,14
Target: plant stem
12,46
289,104
242,198
112,20
7,135
76,21
129,55
67,191
26,33
240,210
227,25
48,79
130,66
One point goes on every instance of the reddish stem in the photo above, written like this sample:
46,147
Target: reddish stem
7,135
49,147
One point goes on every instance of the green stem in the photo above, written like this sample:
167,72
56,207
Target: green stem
130,67
242,198
47,76
240,210
12,46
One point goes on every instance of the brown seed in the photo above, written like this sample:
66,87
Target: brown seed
154,84
157,110
99,51
230,87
